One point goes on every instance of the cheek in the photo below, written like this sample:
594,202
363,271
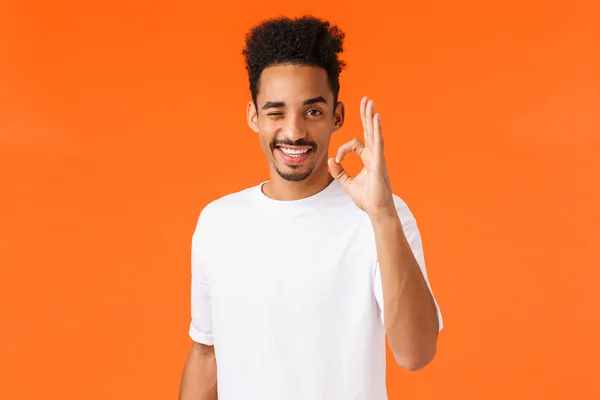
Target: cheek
324,136
265,140
267,131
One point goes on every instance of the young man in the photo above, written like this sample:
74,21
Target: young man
297,281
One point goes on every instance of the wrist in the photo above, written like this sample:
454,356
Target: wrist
384,216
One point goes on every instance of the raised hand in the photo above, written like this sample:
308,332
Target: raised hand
370,189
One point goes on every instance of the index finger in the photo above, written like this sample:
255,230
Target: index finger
354,145
363,114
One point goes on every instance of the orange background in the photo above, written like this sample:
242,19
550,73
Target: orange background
119,122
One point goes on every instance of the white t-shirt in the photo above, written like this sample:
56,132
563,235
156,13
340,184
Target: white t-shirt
289,294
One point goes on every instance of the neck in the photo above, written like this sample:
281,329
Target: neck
280,189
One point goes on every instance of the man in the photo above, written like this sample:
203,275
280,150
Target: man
297,281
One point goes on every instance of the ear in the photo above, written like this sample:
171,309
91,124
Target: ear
252,116
338,116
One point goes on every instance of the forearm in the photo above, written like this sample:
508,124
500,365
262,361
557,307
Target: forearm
199,381
410,313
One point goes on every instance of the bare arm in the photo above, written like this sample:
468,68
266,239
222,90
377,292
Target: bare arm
410,313
199,381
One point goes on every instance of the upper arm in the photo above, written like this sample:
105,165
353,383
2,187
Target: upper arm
203,349
201,324
413,236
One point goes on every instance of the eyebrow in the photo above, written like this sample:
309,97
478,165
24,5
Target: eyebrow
281,104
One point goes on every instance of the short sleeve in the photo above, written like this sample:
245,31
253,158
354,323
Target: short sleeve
201,324
411,231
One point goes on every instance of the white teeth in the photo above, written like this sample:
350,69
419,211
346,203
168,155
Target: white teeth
291,152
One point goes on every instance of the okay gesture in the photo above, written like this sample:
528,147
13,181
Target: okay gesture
370,189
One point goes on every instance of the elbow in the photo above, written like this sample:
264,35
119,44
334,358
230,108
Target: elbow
417,360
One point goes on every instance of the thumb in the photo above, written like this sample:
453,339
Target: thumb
339,173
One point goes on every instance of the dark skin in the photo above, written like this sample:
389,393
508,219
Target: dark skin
295,106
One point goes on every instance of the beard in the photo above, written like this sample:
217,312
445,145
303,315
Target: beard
294,176
293,173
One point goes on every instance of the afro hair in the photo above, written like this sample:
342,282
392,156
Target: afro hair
305,40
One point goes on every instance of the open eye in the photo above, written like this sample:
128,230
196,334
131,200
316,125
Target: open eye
314,113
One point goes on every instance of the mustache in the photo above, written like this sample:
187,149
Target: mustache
299,142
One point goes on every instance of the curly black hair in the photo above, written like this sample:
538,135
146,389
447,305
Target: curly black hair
306,40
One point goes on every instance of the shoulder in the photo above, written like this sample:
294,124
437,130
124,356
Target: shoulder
222,208
407,219
402,208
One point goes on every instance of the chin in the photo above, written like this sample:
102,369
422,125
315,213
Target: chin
293,174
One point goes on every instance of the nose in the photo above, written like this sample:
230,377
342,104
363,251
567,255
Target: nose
295,127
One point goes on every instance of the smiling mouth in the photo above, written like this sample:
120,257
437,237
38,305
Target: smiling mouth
294,152
294,155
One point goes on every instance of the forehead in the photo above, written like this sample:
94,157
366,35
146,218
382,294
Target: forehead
293,84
